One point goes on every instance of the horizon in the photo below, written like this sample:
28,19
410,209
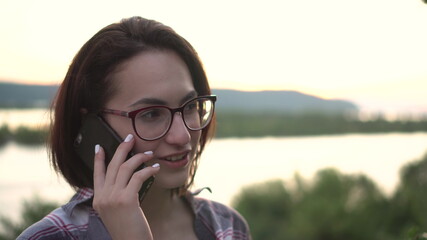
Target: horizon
363,113
355,51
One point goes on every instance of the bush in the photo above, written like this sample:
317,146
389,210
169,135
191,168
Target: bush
5,134
30,136
338,206
32,211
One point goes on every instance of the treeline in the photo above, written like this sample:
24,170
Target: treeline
336,206
23,135
257,124
244,124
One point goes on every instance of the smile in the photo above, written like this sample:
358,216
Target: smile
175,158
175,161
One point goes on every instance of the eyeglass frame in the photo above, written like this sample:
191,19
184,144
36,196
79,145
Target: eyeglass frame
134,113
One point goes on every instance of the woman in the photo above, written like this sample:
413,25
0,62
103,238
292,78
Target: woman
149,85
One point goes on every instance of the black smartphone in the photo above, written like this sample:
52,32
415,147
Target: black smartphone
95,130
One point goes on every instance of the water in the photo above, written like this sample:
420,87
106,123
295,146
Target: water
229,164
25,172
28,117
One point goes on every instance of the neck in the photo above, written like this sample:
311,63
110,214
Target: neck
159,204
168,215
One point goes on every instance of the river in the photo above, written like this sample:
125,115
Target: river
227,165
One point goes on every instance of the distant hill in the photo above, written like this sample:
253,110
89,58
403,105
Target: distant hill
26,96
279,101
29,96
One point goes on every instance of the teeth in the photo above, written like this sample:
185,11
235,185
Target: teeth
175,158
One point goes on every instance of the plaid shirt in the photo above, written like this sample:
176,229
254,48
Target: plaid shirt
78,220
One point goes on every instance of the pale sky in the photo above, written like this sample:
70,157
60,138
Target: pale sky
371,52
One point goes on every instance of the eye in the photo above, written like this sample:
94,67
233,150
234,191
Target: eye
151,115
193,105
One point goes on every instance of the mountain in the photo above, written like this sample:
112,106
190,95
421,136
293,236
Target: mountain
279,101
14,95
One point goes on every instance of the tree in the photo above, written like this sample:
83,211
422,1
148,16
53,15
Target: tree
338,206
333,206
409,201
266,207
32,211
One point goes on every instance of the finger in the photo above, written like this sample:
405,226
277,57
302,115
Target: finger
119,157
99,168
128,168
139,177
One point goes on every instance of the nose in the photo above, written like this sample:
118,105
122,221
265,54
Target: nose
178,133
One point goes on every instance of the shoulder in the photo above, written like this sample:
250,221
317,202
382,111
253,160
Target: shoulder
56,225
222,221
67,222
217,210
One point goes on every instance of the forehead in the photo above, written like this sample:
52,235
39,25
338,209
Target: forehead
160,74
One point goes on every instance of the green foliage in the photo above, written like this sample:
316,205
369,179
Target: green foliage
30,136
415,233
410,200
337,206
258,124
23,135
269,204
4,134
32,211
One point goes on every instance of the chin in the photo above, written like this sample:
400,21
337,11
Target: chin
170,180
166,184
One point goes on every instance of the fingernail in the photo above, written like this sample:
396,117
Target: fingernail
97,148
148,153
129,138
156,165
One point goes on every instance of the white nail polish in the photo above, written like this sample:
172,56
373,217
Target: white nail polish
148,153
129,138
97,148
156,165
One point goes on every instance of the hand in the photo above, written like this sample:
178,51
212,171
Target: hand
116,191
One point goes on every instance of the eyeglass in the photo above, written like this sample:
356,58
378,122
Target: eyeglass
152,123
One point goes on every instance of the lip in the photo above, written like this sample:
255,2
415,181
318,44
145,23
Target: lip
175,164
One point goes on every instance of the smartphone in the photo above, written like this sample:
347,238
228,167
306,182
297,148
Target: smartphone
95,130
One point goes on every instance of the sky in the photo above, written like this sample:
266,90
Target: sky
371,52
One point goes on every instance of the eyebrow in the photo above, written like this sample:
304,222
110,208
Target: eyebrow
189,96
156,101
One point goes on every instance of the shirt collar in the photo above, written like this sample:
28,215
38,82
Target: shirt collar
82,195
85,195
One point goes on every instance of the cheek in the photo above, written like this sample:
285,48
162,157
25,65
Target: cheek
143,146
122,126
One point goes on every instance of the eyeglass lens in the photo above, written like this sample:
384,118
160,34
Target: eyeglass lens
154,122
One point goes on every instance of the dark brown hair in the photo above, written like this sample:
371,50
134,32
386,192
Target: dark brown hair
88,83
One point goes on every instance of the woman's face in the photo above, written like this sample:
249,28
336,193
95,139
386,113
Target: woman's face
157,77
